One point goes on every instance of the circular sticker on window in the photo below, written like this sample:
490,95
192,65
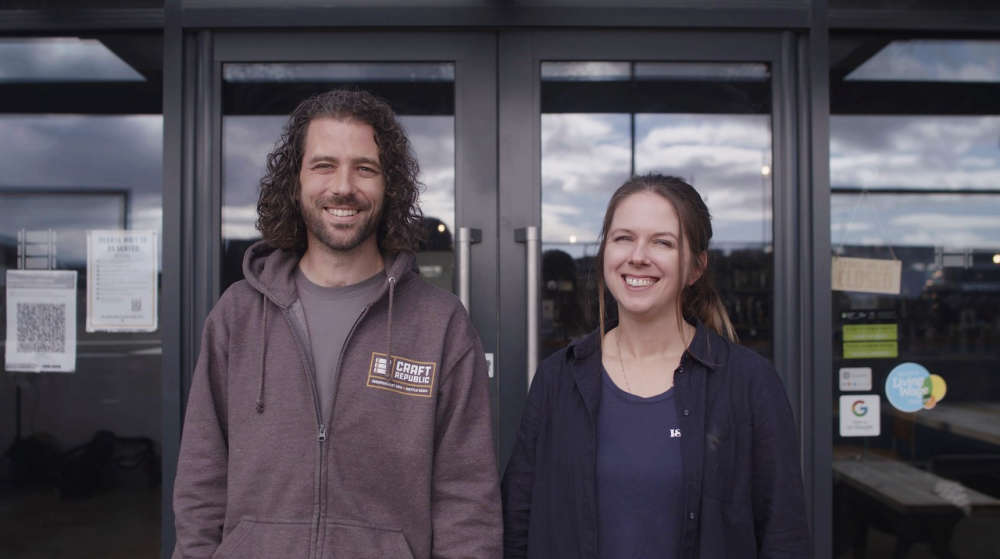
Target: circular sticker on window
909,387
935,392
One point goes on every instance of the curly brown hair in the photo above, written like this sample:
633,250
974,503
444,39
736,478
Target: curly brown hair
279,212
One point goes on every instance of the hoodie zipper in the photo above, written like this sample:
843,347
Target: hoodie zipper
322,434
310,372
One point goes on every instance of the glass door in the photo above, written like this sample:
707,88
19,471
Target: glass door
915,185
442,87
579,114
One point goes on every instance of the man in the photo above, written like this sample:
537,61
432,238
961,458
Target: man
339,406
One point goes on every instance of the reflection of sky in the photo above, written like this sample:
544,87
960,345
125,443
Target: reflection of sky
933,60
83,153
585,157
338,71
965,221
916,152
248,139
49,59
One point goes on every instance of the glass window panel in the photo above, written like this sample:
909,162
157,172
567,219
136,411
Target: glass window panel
707,123
918,152
919,188
586,71
889,220
257,99
337,71
934,60
54,59
702,71
911,5
94,165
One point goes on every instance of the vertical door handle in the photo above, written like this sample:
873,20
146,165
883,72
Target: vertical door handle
529,236
466,238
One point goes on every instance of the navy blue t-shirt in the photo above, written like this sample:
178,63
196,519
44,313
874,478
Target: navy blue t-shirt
640,484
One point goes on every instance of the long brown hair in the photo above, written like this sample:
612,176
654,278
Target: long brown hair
700,300
279,215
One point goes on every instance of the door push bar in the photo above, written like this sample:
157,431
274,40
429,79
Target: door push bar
532,242
465,239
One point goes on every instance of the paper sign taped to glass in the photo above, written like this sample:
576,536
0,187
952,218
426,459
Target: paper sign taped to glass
121,281
41,321
868,275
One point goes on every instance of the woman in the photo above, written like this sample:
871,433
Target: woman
656,436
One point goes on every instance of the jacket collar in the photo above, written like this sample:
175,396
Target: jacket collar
706,346
584,356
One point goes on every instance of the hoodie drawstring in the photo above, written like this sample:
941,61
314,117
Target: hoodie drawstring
392,293
263,355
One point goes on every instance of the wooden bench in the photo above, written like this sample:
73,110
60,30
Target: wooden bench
913,504
974,420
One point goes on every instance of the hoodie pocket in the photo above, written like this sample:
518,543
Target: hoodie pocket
260,540
364,542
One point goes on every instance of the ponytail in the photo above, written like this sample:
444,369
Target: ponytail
702,302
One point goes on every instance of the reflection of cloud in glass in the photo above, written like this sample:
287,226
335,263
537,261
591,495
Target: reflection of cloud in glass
717,71
69,214
248,139
722,156
53,59
585,71
76,155
967,221
915,151
338,71
933,60
433,140
585,157
82,151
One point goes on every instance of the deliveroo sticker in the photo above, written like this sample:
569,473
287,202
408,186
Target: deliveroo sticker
908,386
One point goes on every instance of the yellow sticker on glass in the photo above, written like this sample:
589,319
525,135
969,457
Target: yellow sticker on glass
934,390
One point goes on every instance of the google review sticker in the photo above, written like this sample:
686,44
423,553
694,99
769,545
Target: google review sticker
860,415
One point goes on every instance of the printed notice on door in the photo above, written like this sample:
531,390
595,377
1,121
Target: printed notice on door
121,281
41,321
867,275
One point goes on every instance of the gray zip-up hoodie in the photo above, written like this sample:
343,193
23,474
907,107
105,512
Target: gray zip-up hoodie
405,466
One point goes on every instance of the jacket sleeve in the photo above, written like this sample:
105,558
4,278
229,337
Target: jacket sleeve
778,499
465,498
200,485
519,477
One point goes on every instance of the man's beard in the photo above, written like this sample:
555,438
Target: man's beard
343,237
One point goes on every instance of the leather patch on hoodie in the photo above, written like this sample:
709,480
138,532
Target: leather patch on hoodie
401,375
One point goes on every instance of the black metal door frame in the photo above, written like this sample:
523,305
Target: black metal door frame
521,54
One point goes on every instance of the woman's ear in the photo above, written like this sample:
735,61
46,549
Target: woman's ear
700,264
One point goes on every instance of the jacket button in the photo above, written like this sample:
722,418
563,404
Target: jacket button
687,412
690,516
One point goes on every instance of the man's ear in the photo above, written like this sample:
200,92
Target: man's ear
698,268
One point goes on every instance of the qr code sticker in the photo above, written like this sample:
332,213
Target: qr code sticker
41,328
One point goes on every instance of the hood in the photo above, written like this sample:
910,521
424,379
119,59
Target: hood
271,271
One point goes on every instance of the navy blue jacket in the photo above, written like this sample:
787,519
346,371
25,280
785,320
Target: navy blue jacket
744,495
